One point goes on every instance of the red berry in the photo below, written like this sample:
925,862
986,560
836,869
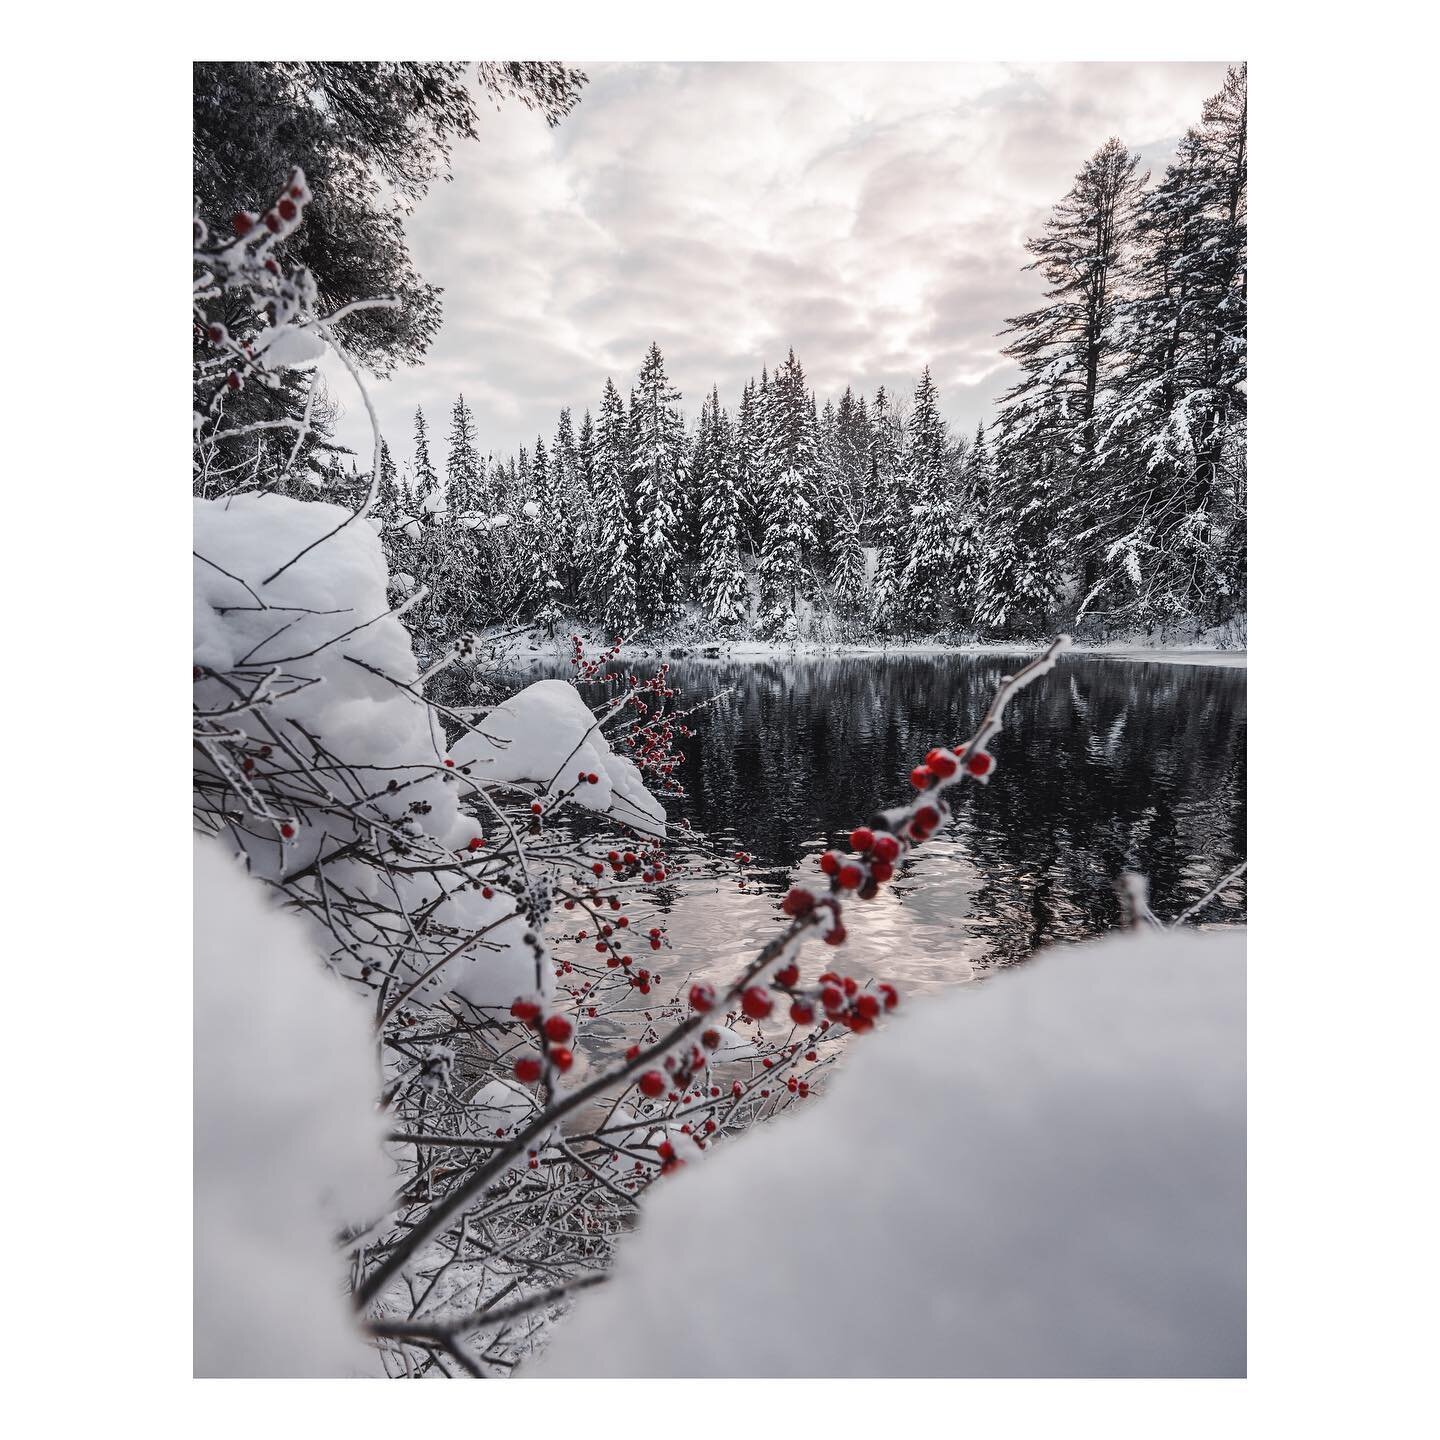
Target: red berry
892,999
216,334
980,763
558,1029
887,848
867,1005
651,1083
598,868
831,997
241,222
287,208
665,1150
476,843
710,1039
526,1011
787,975
850,876
536,807
593,778
272,221
862,837
562,1059
702,996
830,862
527,1069
756,1003
942,763
449,763
288,831
233,381
802,1013
881,871
921,778
835,935
798,902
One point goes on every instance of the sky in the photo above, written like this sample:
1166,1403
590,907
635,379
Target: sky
871,216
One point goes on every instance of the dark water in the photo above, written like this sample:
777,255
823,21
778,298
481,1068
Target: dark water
1104,765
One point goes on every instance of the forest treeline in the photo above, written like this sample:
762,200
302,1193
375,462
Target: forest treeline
1106,495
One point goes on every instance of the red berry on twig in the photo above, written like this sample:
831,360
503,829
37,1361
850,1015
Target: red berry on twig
756,1002
527,1069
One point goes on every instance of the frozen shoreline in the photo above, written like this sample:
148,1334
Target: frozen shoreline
757,650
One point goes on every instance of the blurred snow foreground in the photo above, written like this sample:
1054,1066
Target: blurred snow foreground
1039,1175
287,1137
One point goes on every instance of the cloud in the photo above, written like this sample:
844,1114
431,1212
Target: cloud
871,216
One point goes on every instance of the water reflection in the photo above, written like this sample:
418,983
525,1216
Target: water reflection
1104,765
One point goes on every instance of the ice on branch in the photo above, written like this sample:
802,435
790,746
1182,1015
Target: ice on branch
287,1138
1041,1175
528,739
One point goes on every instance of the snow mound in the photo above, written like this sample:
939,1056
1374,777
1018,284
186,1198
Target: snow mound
546,735
1042,1174
287,1137
342,667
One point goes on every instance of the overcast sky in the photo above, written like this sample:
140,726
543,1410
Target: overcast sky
872,216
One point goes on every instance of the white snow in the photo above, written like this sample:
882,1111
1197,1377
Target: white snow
547,735
287,1137
312,624
291,347
1042,1174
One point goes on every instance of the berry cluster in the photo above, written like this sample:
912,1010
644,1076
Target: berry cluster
554,1031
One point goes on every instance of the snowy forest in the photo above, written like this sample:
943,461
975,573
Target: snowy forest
1106,496
562,1012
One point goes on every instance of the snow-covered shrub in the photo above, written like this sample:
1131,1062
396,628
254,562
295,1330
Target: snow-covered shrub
1039,1175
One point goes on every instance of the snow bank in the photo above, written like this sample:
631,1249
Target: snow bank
1038,1175
547,735
287,1138
342,664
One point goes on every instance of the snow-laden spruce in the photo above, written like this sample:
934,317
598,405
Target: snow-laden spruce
1042,1174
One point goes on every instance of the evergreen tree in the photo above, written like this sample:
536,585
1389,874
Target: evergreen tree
722,581
1174,427
927,582
789,538
387,492
611,591
462,464
1067,354
887,509
427,482
657,448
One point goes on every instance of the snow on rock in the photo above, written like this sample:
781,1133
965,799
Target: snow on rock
1042,1174
287,1137
547,735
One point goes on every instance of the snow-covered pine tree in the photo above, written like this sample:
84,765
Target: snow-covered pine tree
657,453
1067,353
927,584
387,492
973,531
886,510
1174,428
722,581
750,464
462,464
610,577
427,482
789,539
